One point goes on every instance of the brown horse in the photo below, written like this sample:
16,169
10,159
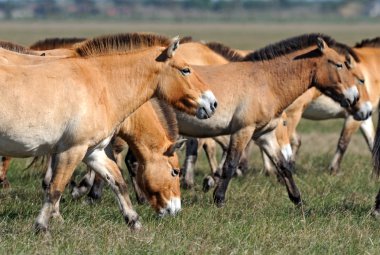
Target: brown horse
297,64
300,63
312,105
70,130
151,133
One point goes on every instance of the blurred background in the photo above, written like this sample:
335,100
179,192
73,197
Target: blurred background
193,10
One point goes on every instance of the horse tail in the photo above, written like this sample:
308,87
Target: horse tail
376,150
39,162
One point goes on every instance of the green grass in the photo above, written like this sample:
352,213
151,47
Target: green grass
258,217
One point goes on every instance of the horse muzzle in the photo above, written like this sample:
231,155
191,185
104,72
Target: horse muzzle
350,97
172,207
364,112
207,105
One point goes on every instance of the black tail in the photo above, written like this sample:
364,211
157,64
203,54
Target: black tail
376,150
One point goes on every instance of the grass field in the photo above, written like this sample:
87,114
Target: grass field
258,217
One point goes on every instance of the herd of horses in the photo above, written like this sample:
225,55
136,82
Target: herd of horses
85,100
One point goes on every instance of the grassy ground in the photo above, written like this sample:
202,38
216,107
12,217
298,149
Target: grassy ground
258,217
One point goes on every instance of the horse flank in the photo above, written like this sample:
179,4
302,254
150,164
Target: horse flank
372,43
55,43
119,43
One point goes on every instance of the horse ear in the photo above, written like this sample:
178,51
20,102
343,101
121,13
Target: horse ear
174,147
350,62
321,44
173,47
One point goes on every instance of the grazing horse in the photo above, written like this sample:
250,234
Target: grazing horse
151,133
80,127
252,111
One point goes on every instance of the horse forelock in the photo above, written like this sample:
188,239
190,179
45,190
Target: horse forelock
225,51
372,43
167,118
16,48
55,43
120,43
288,46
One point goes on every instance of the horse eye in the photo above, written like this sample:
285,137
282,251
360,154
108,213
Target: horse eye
175,172
339,66
185,71
284,123
361,81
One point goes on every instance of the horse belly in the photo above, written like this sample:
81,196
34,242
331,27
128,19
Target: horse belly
216,125
323,108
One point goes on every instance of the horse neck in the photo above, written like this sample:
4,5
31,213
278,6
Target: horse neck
144,133
288,78
128,80
370,66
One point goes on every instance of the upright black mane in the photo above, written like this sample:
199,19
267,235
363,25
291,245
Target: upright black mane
120,43
167,118
373,43
55,43
288,46
16,48
225,51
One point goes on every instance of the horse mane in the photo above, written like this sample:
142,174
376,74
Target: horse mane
372,43
55,43
288,46
16,48
186,39
225,51
120,43
167,117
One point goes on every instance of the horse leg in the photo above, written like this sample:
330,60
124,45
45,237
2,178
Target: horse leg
132,166
84,185
368,132
238,143
268,142
63,165
376,211
191,158
5,162
269,167
100,162
243,164
349,128
210,180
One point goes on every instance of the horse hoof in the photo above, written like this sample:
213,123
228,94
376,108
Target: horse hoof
135,225
296,200
219,200
376,214
40,228
208,183
5,184
239,173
